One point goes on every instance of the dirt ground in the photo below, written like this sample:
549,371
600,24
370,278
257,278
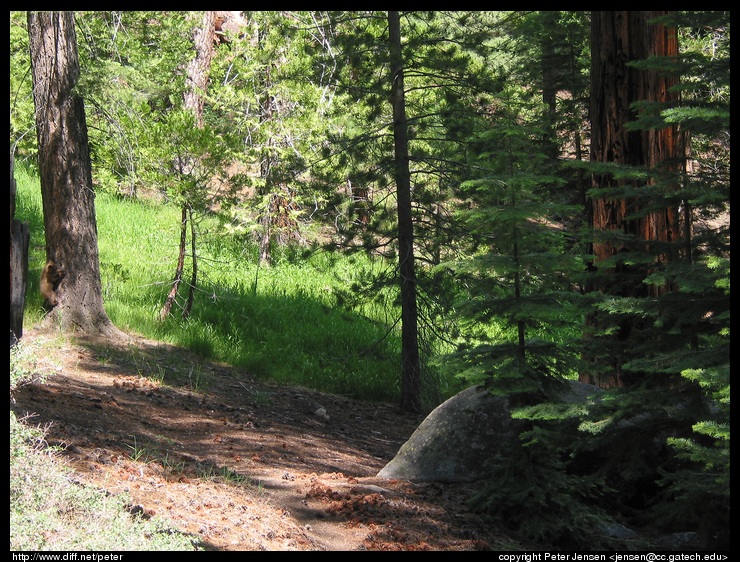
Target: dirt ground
241,464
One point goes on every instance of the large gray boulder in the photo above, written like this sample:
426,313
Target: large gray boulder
453,442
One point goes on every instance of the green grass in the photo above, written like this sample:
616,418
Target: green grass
283,323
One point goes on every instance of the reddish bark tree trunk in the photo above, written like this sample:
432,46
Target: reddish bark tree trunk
617,38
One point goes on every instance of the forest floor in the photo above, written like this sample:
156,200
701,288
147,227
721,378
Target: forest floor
239,463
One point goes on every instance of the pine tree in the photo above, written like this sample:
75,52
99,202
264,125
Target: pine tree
519,279
446,82
523,315
695,320
660,444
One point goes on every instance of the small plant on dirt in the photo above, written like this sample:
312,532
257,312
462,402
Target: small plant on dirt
229,475
104,357
262,398
157,375
22,365
166,440
139,453
170,466
196,380
205,471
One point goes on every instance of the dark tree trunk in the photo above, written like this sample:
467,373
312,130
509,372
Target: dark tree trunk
66,175
410,368
19,238
550,79
194,274
177,279
617,38
266,222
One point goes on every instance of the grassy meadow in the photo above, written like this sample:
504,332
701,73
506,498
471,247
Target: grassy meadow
286,323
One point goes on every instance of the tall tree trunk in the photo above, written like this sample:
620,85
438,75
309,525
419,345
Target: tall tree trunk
200,66
66,174
198,75
19,239
410,368
617,38
550,76
266,162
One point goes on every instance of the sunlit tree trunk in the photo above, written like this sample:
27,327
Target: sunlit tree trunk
266,164
66,174
177,279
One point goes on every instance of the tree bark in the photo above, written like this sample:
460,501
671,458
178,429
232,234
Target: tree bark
177,279
617,38
19,239
194,273
200,66
66,174
550,79
410,367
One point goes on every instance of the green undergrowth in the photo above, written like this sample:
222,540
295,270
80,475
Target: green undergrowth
287,323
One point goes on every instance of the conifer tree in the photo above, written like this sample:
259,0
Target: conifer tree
519,280
275,92
693,321
446,82
523,317
658,447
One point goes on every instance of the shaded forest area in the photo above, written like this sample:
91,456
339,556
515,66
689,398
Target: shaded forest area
550,189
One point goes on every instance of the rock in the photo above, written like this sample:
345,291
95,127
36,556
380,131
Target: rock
321,413
454,442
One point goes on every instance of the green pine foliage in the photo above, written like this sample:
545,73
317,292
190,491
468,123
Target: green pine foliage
699,490
523,320
533,495
131,75
445,56
267,95
662,443
518,280
22,125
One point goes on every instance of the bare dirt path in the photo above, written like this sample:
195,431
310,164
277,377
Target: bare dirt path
241,464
